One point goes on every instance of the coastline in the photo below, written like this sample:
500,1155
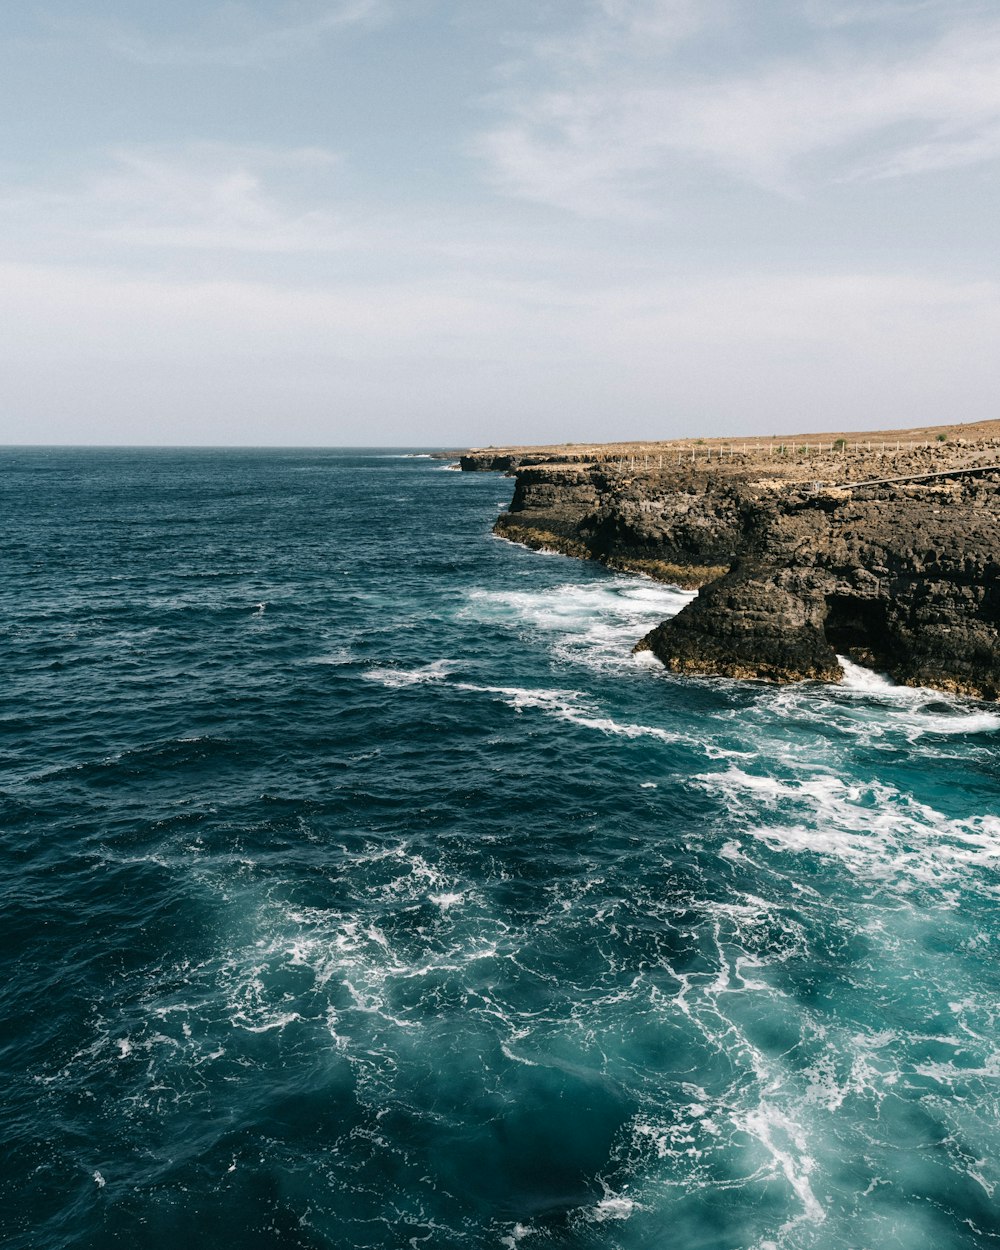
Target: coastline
879,548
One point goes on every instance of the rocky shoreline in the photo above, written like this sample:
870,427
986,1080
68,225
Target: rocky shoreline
885,552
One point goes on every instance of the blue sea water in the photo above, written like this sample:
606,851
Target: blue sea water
360,889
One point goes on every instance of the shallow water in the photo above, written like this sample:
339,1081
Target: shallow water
362,890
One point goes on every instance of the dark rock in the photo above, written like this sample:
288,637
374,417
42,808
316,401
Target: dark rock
901,576
755,622
488,462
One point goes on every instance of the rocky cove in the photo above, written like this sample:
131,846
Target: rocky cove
883,548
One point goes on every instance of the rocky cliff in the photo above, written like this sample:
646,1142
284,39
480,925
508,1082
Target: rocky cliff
796,562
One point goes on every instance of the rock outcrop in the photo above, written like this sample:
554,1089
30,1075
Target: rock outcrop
680,528
794,569
905,579
491,460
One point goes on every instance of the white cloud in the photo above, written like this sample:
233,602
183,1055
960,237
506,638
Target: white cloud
911,13
193,291
613,29
239,35
613,142
203,196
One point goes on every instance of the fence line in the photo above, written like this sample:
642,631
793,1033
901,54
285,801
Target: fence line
691,452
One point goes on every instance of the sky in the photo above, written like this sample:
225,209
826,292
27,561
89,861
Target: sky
472,222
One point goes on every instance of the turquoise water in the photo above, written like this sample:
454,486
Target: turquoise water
360,889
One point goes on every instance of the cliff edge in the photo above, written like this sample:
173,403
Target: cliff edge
886,550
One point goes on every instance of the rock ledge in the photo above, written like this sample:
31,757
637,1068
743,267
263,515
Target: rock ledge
797,560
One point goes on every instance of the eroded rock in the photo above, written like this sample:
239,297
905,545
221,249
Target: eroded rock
901,576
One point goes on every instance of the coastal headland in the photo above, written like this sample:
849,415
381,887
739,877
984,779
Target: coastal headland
882,546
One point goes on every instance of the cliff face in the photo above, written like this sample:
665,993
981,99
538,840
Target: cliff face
903,577
682,528
488,462
492,460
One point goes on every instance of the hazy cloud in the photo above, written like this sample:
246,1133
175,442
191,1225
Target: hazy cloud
611,143
696,214
205,196
750,352
245,35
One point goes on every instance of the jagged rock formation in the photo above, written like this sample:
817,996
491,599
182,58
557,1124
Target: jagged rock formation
905,579
489,462
681,528
506,461
901,576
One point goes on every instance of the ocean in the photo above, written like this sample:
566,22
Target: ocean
362,889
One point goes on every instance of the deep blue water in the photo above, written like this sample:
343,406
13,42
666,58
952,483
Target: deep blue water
361,890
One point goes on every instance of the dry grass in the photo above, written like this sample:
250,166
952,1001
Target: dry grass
977,432
843,456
